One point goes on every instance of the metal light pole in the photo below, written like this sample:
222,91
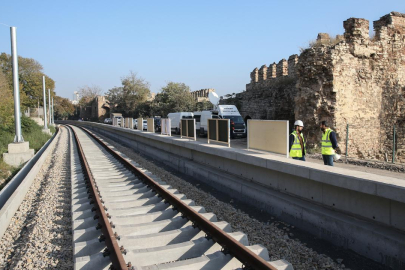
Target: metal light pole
18,135
53,114
50,108
43,87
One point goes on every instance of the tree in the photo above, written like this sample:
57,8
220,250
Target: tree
64,109
88,93
30,74
174,97
126,98
6,103
204,105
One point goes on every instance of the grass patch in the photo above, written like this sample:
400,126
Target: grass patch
52,129
7,173
32,133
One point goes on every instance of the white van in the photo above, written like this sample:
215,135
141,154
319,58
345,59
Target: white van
201,121
232,113
175,119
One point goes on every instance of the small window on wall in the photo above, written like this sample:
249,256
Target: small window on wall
197,118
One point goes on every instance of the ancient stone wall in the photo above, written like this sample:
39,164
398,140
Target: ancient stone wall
358,82
350,80
201,95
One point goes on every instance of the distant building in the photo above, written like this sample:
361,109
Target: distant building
96,110
151,96
76,98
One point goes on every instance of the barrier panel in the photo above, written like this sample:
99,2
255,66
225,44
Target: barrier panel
218,131
268,135
166,127
187,129
130,123
115,122
151,125
140,124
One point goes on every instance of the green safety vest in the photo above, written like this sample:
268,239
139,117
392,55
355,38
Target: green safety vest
327,144
296,150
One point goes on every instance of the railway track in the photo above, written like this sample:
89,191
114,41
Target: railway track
126,218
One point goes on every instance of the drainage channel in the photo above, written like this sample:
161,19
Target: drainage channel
126,218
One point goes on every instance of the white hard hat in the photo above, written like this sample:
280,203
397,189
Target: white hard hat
299,123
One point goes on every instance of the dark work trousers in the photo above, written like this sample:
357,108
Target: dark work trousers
328,160
300,158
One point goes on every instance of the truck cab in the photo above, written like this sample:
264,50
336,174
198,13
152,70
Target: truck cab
231,112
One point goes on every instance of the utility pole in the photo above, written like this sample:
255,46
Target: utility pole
19,151
43,87
53,114
16,85
50,108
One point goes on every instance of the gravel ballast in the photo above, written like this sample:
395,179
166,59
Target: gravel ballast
39,235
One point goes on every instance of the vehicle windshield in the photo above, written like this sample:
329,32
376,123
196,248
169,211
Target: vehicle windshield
237,119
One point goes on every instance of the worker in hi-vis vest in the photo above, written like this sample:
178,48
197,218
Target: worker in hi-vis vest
329,144
297,142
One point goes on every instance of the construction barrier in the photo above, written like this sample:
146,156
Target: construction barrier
268,135
187,129
166,127
129,123
151,125
140,124
218,131
115,122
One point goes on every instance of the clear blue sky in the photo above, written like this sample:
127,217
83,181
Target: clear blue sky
205,44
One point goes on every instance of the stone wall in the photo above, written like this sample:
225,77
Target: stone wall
351,79
201,95
96,110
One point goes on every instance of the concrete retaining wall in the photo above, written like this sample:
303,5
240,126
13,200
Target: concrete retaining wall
356,210
14,192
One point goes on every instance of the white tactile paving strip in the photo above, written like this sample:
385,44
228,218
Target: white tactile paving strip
154,235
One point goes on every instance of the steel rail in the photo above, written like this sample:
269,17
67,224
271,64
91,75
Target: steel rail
114,251
249,259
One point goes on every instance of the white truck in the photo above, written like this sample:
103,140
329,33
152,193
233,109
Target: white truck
175,119
222,112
